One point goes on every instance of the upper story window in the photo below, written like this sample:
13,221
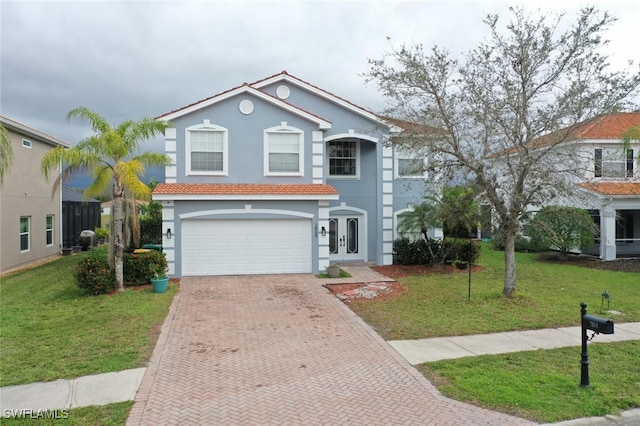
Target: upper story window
283,151
26,143
409,164
343,158
613,162
25,233
206,150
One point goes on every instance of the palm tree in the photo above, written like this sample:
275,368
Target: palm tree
111,155
6,153
422,217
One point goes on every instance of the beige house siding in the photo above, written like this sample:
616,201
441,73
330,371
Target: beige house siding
26,193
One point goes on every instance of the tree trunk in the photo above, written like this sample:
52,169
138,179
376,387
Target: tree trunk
117,233
509,263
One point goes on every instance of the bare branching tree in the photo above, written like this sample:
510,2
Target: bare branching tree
504,111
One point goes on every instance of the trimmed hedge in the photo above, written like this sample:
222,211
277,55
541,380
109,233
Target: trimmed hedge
408,252
94,275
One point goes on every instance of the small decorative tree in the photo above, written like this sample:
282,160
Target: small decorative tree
563,228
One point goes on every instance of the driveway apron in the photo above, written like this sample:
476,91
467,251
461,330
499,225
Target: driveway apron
281,350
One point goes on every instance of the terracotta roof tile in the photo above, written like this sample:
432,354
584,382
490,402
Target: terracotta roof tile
243,189
608,126
613,188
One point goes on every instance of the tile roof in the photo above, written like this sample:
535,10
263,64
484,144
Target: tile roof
609,126
243,189
613,188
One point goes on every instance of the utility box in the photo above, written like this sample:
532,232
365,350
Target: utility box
87,233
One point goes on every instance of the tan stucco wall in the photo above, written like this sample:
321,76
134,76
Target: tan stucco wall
27,193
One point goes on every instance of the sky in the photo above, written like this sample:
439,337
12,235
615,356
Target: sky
135,59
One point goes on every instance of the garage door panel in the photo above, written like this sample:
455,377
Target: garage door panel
234,247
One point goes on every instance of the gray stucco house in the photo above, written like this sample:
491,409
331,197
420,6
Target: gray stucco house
281,176
30,217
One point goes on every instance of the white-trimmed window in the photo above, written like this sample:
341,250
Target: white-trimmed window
409,164
613,162
26,143
343,158
25,233
283,151
49,229
206,149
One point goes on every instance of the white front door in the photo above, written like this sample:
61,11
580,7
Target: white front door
345,238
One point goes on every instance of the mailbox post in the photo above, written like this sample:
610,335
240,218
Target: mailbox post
598,325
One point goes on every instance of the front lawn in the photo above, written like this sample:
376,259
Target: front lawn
538,385
547,295
544,385
50,330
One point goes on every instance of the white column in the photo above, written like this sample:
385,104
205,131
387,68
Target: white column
323,241
387,205
608,233
170,171
317,157
168,244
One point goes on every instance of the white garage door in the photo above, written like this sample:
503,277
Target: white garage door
236,247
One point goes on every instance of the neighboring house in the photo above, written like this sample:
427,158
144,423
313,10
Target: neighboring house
610,186
78,215
280,176
106,206
30,215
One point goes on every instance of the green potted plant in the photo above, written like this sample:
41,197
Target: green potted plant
159,279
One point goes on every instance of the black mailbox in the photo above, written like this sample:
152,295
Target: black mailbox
597,324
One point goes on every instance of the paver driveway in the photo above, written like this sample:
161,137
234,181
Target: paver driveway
281,350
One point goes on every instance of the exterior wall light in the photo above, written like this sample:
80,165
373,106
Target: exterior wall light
323,231
168,233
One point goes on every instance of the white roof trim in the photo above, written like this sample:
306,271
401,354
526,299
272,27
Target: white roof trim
25,130
322,124
319,92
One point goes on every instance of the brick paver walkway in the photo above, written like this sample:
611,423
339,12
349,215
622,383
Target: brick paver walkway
281,350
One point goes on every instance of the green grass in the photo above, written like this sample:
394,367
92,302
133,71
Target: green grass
547,295
538,385
50,330
544,385
104,415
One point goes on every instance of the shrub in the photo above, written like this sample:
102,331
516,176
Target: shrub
102,233
408,252
563,228
93,273
138,267
462,251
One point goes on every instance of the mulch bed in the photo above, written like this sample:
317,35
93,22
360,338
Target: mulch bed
389,290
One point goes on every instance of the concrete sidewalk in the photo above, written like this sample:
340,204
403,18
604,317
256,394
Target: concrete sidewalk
98,389
435,349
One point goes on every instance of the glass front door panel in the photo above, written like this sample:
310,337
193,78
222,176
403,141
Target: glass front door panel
352,235
344,238
333,236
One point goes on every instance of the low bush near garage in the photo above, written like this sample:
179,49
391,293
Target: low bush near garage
137,266
93,273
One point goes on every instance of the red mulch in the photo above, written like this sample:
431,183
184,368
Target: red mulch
359,291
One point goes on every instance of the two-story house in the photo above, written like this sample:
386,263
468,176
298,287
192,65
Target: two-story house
281,176
606,180
30,217
612,183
